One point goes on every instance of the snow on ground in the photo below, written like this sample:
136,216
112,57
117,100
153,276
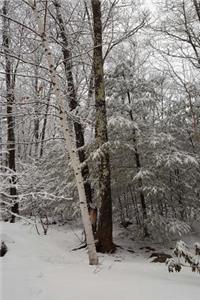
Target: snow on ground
44,268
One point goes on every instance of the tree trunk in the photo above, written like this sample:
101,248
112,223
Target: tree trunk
69,137
10,84
45,121
104,232
140,184
73,103
1,135
36,112
138,166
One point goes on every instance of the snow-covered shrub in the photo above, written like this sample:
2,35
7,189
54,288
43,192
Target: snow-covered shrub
6,175
46,187
183,256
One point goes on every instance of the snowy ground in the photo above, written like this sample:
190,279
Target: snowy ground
44,268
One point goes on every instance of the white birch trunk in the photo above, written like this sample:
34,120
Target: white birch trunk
69,140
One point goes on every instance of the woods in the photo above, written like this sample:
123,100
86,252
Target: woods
99,108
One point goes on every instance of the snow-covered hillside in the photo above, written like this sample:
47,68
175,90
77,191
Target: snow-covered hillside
44,268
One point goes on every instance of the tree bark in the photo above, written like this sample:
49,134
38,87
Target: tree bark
140,184
73,103
45,122
138,166
68,136
36,112
105,226
10,84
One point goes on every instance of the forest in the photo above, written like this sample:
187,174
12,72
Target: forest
100,143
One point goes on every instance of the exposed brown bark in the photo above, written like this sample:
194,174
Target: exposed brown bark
10,84
73,103
104,231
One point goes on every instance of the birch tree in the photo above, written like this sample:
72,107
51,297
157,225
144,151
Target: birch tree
67,126
73,102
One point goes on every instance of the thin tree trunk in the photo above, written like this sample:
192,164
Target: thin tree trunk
73,103
36,111
134,200
122,217
1,135
68,136
138,166
45,122
10,84
104,232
